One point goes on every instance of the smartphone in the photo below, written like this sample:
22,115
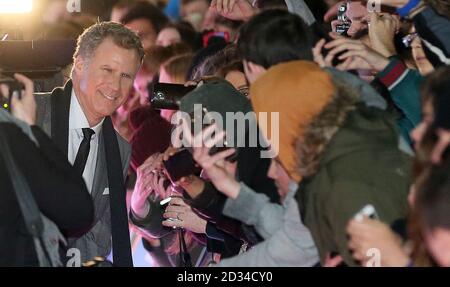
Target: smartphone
366,211
180,165
165,96
345,23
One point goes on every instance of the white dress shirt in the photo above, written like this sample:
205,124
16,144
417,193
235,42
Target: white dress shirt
78,121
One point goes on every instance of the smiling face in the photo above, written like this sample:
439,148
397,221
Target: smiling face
103,82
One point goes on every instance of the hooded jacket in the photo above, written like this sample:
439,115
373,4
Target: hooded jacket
349,158
346,153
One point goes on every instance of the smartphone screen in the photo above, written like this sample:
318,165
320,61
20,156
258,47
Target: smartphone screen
167,96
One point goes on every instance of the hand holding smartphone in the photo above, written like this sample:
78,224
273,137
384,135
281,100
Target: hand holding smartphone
14,87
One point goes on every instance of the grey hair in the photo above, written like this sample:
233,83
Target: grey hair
93,36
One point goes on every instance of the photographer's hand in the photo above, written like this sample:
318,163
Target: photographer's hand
25,108
185,217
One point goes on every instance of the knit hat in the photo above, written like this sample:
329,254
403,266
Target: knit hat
298,91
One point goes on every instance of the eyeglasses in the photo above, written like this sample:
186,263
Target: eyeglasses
408,39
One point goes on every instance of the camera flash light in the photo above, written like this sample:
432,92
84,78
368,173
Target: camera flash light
16,6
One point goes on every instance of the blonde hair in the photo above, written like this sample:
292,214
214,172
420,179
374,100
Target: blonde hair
156,56
177,67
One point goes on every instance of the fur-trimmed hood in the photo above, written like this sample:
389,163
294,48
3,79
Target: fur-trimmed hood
346,116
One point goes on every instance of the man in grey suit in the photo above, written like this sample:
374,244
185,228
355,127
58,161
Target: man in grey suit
77,117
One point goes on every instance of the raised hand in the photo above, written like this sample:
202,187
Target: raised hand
218,170
356,56
147,182
24,108
382,30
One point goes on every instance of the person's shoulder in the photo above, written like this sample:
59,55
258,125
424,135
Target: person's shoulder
12,133
7,127
123,143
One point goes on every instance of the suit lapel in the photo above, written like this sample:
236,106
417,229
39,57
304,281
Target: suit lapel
60,102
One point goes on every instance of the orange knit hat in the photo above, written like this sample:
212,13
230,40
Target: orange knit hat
298,91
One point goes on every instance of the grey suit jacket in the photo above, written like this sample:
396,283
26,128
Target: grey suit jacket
53,117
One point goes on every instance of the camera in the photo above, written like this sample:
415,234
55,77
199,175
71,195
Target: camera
15,87
165,96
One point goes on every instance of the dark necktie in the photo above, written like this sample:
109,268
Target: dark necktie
83,150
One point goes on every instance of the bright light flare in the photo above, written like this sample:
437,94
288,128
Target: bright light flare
16,6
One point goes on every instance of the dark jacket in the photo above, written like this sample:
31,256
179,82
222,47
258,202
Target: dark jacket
252,170
434,29
361,164
60,194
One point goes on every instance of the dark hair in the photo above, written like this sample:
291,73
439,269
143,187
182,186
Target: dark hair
432,88
442,7
177,66
232,24
318,8
437,87
185,2
155,56
275,36
188,34
265,4
146,10
221,63
433,197
430,209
